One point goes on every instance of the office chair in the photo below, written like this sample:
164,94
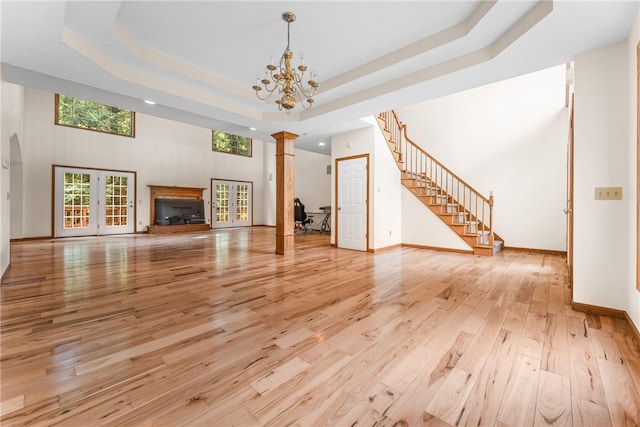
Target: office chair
300,216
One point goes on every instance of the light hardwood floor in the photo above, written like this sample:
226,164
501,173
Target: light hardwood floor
214,329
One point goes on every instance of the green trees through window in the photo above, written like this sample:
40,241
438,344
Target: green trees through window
76,200
229,143
91,115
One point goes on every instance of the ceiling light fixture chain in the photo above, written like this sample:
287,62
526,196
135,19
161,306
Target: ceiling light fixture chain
287,80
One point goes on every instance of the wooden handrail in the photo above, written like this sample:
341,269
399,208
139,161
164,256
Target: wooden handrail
431,175
404,127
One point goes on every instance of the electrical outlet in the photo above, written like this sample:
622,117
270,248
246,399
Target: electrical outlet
608,193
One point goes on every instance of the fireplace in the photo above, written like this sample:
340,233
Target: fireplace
171,211
177,209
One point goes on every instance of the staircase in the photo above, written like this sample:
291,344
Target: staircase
468,213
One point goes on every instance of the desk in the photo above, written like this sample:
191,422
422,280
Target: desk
326,221
325,225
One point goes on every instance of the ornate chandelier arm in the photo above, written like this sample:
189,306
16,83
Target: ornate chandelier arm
269,78
310,90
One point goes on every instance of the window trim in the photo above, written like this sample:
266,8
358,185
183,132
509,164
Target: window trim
56,119
213,147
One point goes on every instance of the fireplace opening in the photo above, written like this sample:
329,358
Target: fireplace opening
172,211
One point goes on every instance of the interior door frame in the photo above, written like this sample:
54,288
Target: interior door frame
569,207
53,192
638,167
213,200
336,226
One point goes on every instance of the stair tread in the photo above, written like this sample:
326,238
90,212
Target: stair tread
486,246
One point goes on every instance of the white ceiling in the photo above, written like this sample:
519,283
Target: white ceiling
198,60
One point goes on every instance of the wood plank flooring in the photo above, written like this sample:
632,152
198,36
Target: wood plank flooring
214,329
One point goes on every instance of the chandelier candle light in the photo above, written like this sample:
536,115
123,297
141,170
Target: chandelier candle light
287,81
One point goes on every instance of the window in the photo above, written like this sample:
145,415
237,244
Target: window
79,113
228,143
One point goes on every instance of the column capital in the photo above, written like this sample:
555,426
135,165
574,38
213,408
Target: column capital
283,134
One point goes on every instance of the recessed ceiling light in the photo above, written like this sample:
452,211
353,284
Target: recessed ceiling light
321,144
252,128
150,102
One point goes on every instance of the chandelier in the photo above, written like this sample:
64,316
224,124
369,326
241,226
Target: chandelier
287,81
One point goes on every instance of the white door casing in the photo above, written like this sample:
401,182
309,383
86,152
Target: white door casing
352,206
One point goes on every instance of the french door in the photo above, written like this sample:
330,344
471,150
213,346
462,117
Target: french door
231,203
352,207
90,202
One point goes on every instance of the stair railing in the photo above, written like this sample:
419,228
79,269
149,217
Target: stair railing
458,198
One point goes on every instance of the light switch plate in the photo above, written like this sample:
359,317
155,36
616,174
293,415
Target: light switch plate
5,163
608,193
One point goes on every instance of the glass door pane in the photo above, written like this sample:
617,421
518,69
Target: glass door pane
118,201
242,202
243,196
75,202
222,216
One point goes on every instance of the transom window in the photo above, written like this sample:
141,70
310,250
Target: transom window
83,114
229,143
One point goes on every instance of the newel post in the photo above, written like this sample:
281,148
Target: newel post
491,218
284,191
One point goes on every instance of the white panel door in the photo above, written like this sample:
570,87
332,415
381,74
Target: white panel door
352,203
231,203
89,202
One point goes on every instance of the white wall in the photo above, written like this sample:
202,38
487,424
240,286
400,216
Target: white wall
633,295
11,133
351,144
422,227
605,156
510,138
385,203
269,178
312,184
163,152
386,194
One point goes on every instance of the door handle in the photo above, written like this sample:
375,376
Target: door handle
339,208
567,211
